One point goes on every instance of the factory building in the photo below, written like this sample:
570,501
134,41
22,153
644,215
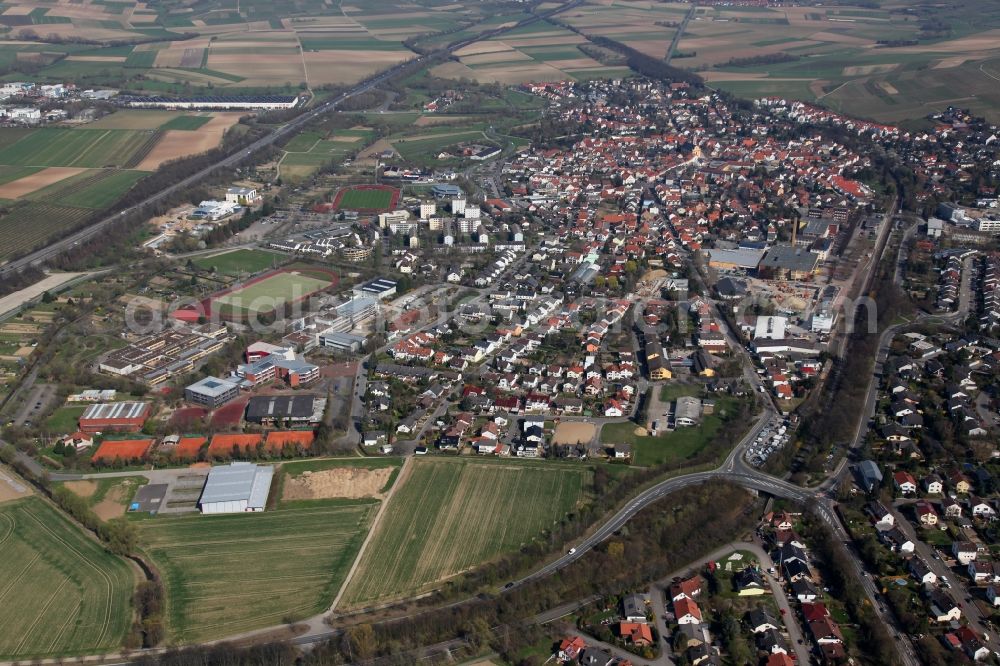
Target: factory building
236,488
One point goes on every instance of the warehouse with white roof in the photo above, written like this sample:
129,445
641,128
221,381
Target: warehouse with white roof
238,487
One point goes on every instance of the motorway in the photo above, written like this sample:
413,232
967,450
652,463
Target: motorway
244,153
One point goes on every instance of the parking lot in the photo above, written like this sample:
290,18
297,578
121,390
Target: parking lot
771,438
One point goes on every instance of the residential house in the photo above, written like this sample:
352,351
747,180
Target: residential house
926,513
905,482
749,582
964,552
686,611
943,607
759,620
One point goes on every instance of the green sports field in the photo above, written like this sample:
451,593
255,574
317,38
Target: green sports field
232,573
61,592
239,262
453,514
366,199
267,294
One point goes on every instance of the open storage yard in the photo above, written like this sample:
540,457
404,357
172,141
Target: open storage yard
452,514
63,593
226,574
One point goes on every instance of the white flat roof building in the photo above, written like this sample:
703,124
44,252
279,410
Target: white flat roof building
236,488
770,328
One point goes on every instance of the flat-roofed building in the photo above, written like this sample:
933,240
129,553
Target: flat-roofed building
742,259
236,488
121,416
784,261
340,341
211,392
380,288
300,409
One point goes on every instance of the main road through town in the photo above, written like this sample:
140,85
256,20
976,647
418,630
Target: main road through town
242,154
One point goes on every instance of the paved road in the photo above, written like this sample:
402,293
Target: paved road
234,159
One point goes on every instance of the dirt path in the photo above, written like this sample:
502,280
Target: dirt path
400,480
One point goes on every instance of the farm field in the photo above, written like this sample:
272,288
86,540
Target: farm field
79,148
240,262
645,26
270,292
833,56
63,593
436,524
26,227
539,52
300,555
94,188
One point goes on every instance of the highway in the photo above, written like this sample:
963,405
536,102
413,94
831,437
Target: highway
60,246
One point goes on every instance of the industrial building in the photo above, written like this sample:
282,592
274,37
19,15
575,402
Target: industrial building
212,102
287,409
687,411
786,262
380,288
236,488
743,259
340,341
211,392
120,416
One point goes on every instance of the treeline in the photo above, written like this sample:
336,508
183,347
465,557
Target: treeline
18,280
763,59
892,43
839,575
647,65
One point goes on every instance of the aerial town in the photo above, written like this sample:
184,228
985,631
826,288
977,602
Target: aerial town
480,355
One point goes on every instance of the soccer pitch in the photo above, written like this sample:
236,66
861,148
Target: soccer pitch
271,292
366,199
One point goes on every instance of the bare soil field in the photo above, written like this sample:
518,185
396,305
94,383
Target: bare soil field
11,488
174,55
368,154
333,67
36,181
986,41
339,482
84,489
948,63
888,88
838,38
262,69
113,504
575,63
574,432
180,143
429,121
20,329
518,74
545,41
133,120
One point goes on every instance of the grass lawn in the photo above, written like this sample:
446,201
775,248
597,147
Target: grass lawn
267,294
65,420
239,262
62,592
229,573
452,514
670,446
366,199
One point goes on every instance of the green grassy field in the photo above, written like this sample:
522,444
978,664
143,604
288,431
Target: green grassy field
65,419
240,262
265,295
366,199
97,189
451,514
62,593
232,573
9,174
75,147
189,123
671,447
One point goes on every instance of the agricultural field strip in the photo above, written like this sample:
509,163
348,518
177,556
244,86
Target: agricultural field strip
201,555
436,509
46,630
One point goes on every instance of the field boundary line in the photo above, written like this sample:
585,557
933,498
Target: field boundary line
400,480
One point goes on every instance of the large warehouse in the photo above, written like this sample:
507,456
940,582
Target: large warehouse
289,409
121,416
238,487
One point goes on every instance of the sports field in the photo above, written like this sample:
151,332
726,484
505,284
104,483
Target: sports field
239,262
454,514
366,199
61,592
272,291
233,573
